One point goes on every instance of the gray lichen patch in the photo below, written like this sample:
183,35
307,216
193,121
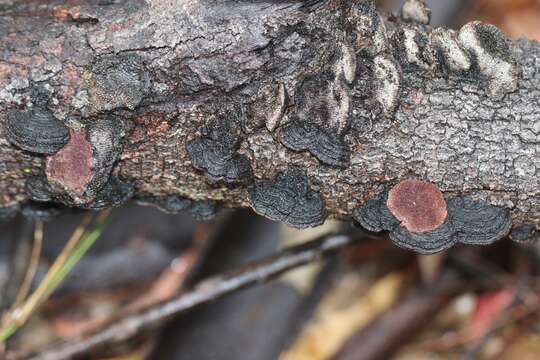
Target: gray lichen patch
492,56
416,11
117,81
36,130
328,147
387,82
288,198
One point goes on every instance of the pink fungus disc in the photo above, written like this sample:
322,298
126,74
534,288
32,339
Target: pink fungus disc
73,166
419,205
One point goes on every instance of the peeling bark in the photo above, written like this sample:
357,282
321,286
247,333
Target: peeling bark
379,89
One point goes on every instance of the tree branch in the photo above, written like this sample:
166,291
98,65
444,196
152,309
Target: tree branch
211,100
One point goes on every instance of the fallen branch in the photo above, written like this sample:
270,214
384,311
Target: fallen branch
213,101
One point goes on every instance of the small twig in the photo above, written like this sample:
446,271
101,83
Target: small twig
208,290
32,265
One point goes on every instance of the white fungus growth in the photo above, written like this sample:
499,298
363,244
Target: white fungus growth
495,63
371,30
413,52
445,43
416,11
347,64
280,103
339,105
387,79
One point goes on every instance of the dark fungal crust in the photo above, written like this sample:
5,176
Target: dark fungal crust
525,234
8,212
477,222
429,242
469,222
117,81
288,198
36,130
116,192
201,210
216,153
330,148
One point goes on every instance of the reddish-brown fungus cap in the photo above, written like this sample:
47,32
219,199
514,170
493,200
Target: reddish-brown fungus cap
419,205
72,166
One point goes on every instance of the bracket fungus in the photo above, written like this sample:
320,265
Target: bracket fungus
416,11
477,222
216,153
525,234
418,218
288,198
36,130
201,210
330,148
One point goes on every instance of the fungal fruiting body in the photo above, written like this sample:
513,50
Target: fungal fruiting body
73,166
79,175
420,219
36,130
216,153
201,210
418,205
492,55
328,147
288,198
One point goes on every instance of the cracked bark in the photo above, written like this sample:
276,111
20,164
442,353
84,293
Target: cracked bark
185,64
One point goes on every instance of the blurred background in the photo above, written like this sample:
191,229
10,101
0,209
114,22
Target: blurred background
370,301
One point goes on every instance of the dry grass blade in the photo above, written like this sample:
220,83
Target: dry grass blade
32,265
76,247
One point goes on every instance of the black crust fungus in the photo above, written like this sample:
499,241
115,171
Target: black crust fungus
36,130
289,199
525,234
216,153
8,212
118,81
330,148
105,136
469,222
115,193
477,222
201,210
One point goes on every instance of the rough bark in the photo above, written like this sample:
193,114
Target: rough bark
165,70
